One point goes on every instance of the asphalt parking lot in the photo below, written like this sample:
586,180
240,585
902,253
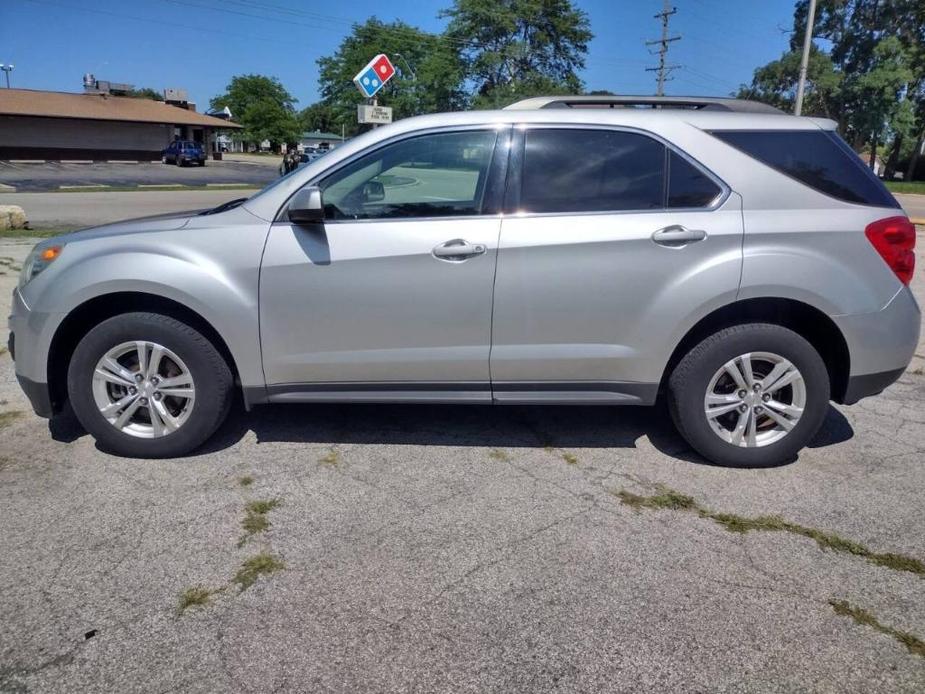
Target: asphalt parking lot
51,176
421,549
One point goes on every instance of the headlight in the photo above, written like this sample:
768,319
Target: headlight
39,258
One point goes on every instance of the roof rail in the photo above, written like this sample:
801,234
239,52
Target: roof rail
696,103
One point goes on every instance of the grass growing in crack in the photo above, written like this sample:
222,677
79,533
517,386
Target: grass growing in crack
7,418
675,501
570,458
913,644
246,481
331,458
499,455
196,596
255,518
253,568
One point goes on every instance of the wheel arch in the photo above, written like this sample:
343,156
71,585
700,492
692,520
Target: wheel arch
84,317
805,320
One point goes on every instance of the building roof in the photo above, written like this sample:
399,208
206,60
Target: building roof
318,135
32,102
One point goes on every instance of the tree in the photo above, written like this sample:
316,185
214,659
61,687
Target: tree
145,93
513,49
319,117
428,75
263,106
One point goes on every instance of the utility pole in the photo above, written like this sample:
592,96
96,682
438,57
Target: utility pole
7,69
804,62
663,69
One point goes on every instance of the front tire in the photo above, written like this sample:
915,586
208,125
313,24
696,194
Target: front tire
146,385
750,396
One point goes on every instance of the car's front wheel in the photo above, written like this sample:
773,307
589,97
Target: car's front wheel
149,386
751,395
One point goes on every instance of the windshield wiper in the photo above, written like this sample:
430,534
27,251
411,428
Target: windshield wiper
225,206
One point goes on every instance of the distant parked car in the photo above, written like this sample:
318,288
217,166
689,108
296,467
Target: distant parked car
184,153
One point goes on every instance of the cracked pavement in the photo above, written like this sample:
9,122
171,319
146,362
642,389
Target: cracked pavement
418,559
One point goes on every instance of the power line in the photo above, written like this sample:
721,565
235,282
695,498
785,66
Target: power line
664,69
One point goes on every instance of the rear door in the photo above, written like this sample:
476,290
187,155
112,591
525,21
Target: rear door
617,242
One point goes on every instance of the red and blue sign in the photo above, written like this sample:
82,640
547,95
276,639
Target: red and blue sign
377,72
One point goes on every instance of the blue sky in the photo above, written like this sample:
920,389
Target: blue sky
200,44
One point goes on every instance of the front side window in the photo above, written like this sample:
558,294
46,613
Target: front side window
568,170
437,175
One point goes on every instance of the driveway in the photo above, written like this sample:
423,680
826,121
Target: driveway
448,549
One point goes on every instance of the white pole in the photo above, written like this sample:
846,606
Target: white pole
804,62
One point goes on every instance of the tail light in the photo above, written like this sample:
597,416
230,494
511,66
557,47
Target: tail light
894,239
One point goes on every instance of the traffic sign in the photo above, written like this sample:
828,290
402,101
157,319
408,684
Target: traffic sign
377,72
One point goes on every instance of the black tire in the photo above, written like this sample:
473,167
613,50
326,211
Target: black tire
688,383
210,372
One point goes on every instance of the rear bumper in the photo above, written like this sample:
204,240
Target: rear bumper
870,384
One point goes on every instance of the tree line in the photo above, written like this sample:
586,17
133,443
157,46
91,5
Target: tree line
866,71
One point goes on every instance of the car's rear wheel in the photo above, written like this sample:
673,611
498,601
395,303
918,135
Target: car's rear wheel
751,395
149,386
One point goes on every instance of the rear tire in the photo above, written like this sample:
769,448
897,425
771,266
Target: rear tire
188,384
730,372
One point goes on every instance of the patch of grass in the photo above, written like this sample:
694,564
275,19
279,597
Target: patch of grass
157,189
3,349
667,499
245,480
197,596
675,501
920,371
255,518
253,568
499,455
31,233
7,418
331,458
570,458
913,187
913,644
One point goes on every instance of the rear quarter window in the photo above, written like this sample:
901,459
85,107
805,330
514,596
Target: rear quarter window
819,159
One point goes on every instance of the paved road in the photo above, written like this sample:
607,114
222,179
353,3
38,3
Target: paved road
450,549
75,210
257,171
914,205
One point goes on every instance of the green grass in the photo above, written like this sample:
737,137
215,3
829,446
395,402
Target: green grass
7,418
499,455
570,458
256,566
31,233
255,518
164,188
913,643
197,596
668,499
245,480
330,459
913,187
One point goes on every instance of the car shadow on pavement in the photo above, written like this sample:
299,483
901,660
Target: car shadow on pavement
459,425
476,425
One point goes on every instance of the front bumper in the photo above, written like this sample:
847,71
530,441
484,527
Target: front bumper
29,340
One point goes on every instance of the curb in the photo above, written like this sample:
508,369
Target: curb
918,221
81,187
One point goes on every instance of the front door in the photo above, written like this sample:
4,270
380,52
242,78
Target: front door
391,297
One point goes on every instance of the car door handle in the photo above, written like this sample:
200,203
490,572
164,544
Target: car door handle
458,249
677,236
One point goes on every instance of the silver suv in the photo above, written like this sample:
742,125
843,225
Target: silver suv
740,262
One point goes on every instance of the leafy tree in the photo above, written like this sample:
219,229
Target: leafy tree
428,72
513,49
263,106
776,84
145,93
319,117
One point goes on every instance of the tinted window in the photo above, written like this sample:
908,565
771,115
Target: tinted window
427,176
820,159
688,186
592,171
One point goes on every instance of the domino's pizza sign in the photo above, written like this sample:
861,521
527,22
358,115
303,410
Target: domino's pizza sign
377,72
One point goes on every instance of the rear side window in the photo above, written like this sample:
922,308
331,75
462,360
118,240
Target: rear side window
688,186
820,159
569,170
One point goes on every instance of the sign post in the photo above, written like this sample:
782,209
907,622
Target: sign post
369,81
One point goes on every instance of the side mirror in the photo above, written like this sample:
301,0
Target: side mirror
306,207
373,191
